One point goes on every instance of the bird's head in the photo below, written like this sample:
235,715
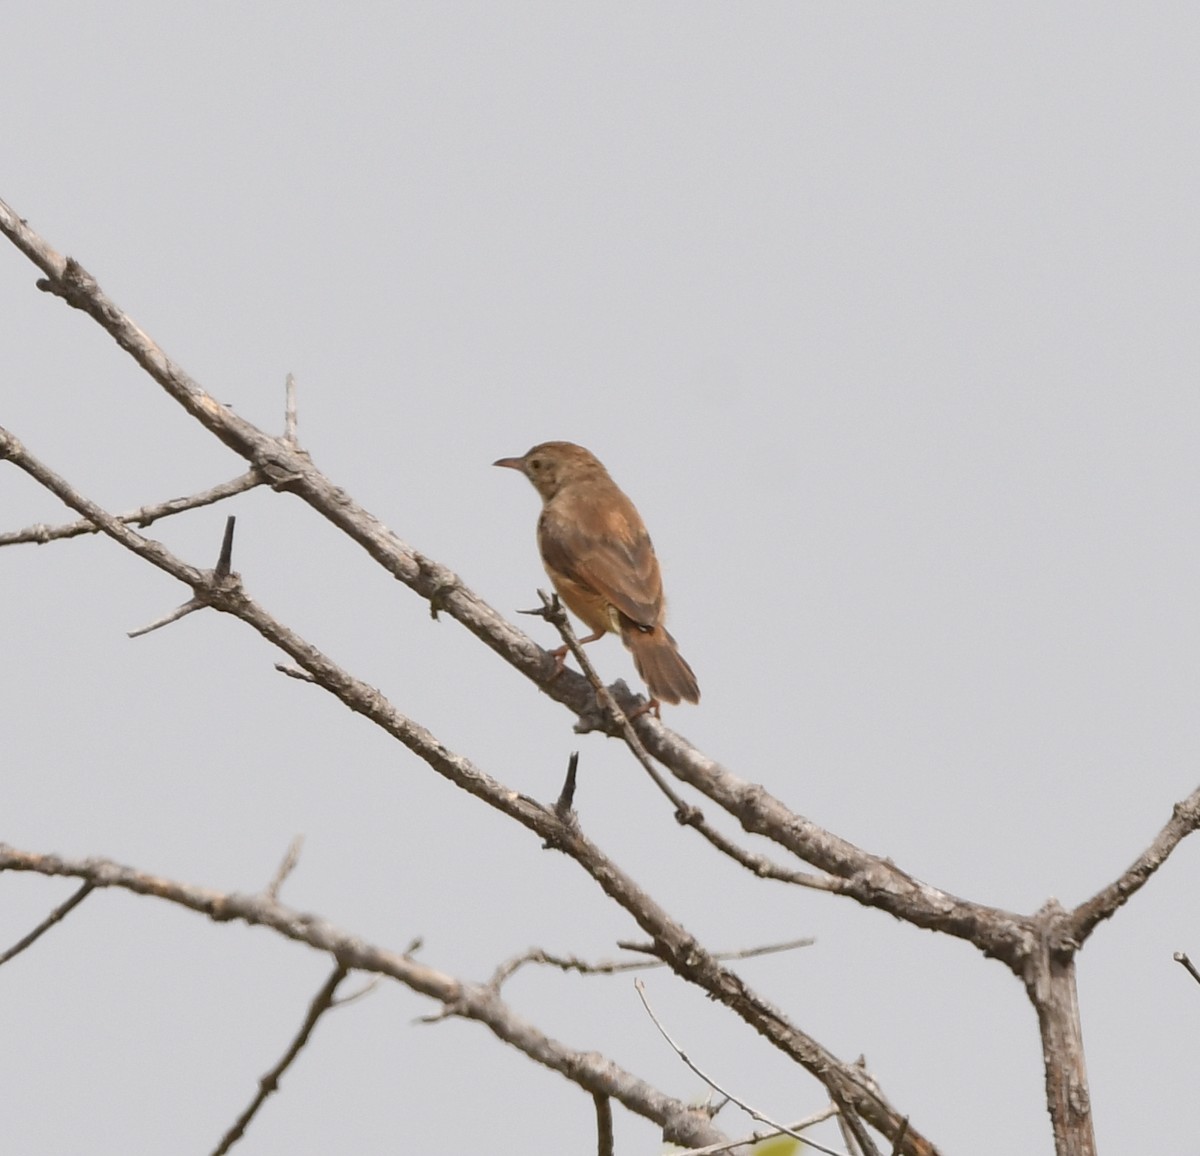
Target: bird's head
553,465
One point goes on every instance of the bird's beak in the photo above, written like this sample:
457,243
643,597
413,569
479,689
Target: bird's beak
511,463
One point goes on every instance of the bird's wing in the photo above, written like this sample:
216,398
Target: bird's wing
606,551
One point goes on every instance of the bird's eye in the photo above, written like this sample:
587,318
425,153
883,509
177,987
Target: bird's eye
535,464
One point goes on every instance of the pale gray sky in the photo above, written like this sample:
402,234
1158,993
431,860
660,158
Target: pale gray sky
885,316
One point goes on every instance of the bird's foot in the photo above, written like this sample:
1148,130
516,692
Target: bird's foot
649,705
560,661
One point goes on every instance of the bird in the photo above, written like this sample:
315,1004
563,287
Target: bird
599,556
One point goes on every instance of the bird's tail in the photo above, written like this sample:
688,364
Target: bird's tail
663,669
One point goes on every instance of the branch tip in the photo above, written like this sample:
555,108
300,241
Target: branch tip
192,604
287,865
1181,957
289,411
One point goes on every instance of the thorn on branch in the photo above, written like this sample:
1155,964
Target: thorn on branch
566,799
221,576
225,561
644,948
551,609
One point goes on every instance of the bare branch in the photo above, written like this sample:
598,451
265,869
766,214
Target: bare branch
1185,818
141,517
868,879
686,814
673,943
604,1124
154,552
591,1071
55,916
321,1003
753,1113
285,467
1050,983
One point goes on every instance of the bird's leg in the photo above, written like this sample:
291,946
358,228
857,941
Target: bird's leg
560,654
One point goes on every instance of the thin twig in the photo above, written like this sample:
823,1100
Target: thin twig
321,1003
55,916
39,534
757,1137
355,996
181,611
1179,957
286,866
753,1113
289,411
618,966
686,814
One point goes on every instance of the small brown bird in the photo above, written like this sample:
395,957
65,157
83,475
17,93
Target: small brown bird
596,550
